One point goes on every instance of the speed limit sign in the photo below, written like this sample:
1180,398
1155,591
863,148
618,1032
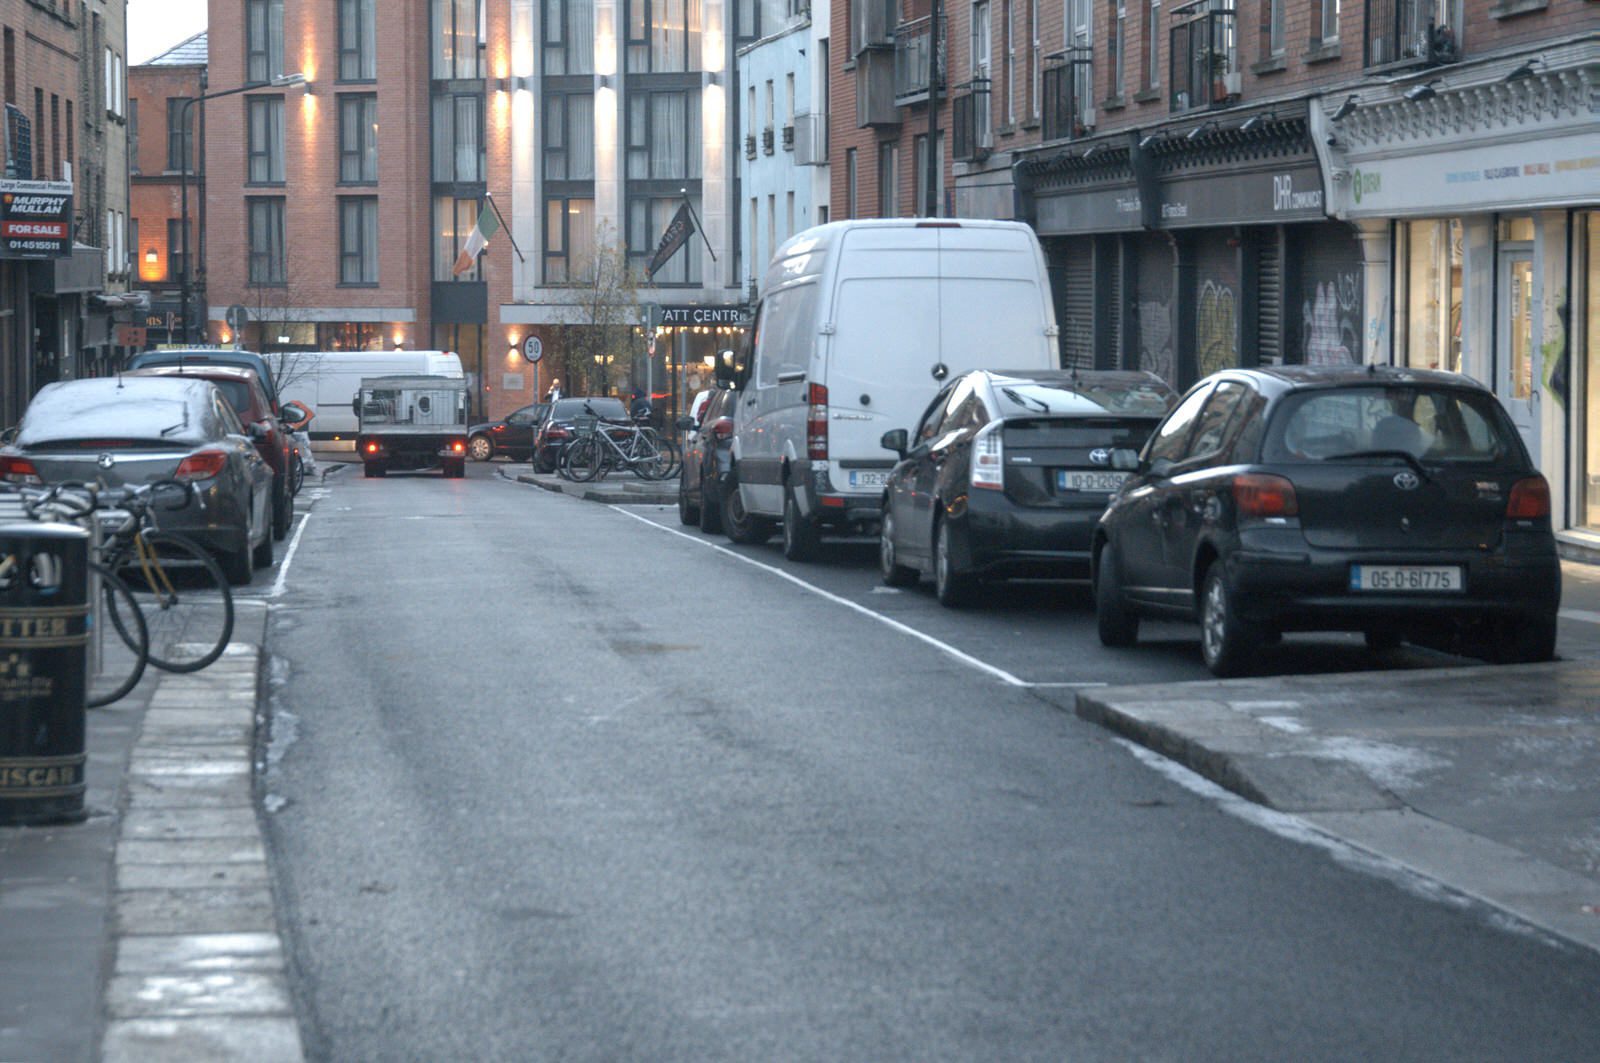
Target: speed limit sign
532,349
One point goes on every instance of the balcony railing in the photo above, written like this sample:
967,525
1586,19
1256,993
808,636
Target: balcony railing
971,126
811,139
750,146
767,141
1416,32
788,138
913,48
1204,56
1068,94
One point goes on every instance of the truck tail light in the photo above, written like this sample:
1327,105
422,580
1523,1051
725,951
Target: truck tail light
988,457
201,465
1260,495
458,447
372,448
722,428
817,423
19,471
1530,499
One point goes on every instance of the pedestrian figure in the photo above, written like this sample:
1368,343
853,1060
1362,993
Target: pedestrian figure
555,390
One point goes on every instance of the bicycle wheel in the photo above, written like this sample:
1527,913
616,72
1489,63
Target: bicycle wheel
185,600
123,659
585,459
297,474
659,462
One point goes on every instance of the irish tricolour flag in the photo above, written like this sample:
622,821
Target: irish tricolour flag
477,240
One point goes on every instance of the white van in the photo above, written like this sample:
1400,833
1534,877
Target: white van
327,382
859,325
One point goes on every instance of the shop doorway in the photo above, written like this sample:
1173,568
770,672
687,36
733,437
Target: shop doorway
1517,368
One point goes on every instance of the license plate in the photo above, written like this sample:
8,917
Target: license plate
875,478
1405,578
1089,481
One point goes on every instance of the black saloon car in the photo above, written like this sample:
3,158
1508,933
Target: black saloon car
1398,503
1007,474
511,437
707,459
556,429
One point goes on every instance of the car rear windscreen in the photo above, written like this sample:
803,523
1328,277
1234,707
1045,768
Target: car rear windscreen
1428,422
1081,398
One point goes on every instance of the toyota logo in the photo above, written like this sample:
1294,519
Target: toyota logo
1406,481
1100,456
105,461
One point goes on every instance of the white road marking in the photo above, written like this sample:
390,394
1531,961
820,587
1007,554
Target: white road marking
1583,616
279,584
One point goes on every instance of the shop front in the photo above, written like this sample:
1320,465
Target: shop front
1188,250
1479,203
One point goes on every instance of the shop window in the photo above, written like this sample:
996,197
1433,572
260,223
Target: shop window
1586,333
1429,326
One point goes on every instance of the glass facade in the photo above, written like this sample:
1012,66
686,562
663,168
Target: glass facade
1428,330
1586,352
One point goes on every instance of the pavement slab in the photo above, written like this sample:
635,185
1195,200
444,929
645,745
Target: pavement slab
202,1040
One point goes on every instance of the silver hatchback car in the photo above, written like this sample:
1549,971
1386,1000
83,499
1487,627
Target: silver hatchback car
137,430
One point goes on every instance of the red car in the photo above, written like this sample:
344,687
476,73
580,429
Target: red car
242,388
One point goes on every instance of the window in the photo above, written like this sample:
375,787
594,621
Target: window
11,65
1152,44
919,194
453,220
569,136
265,125
1212,430
358,140
569,244
133,136
788,325
1326,16
568,37
133,244
177,247
647,218
1035,62
663,36
663,135
358,31
180,136
458,40
850,183
1167,444
888,178
1008,61
458,139
263,31
981,48
1428,332
1116,47
267,252
116,83
358,240
1272,39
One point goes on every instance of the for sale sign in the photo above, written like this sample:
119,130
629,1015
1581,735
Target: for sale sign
35,219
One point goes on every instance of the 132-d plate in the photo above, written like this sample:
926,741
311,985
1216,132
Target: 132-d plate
875,478
1105,482
1406,578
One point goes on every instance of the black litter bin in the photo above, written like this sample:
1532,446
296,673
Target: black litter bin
44,613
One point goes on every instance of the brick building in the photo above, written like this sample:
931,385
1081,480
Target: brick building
64,70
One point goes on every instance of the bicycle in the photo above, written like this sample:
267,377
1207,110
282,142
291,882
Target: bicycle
593,452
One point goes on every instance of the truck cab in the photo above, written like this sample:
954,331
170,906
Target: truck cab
412,422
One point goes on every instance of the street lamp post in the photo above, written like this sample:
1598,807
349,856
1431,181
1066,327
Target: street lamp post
279,82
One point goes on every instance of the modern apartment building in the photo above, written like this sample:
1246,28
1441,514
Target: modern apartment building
63,224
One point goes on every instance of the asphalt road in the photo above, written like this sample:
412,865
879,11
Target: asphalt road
551,781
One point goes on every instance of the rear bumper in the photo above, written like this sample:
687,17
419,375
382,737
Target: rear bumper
1004,540
412,451
843,512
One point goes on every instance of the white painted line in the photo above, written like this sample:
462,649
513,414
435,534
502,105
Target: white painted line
279,584
1583,616
905,629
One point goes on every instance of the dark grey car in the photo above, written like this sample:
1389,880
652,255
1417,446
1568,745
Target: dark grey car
137,430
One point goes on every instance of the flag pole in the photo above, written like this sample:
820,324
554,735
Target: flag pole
504,226
684,192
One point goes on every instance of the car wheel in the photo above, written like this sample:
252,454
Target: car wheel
741,527
894,573
1525,640
1226,640
710,506
481,448
688,513
544,462
953,588
1382,639
801,538
261,557
1117,624
282,507
297,478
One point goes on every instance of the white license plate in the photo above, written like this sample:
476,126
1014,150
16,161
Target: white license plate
1405,578
875,478
1089,481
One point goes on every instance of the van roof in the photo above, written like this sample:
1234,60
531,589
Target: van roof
824,238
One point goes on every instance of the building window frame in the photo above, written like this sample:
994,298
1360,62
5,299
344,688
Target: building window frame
651,154
568,157
888,179
358,241
266,247
358,139
264,140
357,40
263,41
648,212
567,31
563,240
458,25
457,160
453,220
175,246
663,36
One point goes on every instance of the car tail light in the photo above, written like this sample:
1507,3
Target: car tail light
1260,495
372,448
201,465
556,433
1530,499
988,457
19,471
817,424
722,428
458,447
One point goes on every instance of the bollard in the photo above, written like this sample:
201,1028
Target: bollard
44,608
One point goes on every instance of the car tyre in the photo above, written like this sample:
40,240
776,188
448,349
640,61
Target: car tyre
894,573
1227,641
688,513
282,506
953,588
1528,639
741,527
1116,623
710,506
802,540
480,447
544,462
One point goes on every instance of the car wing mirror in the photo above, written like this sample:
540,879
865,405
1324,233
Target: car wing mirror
895,440
724,370
1124,459
8,436
686,424
257,431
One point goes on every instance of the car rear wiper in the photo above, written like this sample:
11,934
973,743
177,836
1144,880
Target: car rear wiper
1404,455
1023,400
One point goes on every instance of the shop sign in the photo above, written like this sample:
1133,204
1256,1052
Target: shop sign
1527,174
1104,210
678,316
1293,194
35,219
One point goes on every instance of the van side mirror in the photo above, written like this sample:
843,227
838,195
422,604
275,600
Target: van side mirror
685,424
895,440
1125,459
724,369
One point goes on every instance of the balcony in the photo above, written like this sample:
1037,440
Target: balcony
811,139
750,146
1068,103
875,102
971,121
872,24
788,138
916,56
1204,56
1418,33
768,141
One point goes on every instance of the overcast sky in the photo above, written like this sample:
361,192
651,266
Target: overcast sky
156,25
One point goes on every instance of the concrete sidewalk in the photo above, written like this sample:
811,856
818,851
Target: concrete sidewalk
618,489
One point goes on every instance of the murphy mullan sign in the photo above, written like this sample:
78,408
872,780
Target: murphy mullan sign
35,219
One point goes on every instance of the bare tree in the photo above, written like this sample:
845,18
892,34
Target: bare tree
598,350
278,308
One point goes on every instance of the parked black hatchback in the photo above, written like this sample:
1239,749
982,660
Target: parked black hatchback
1394,502
1007,473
